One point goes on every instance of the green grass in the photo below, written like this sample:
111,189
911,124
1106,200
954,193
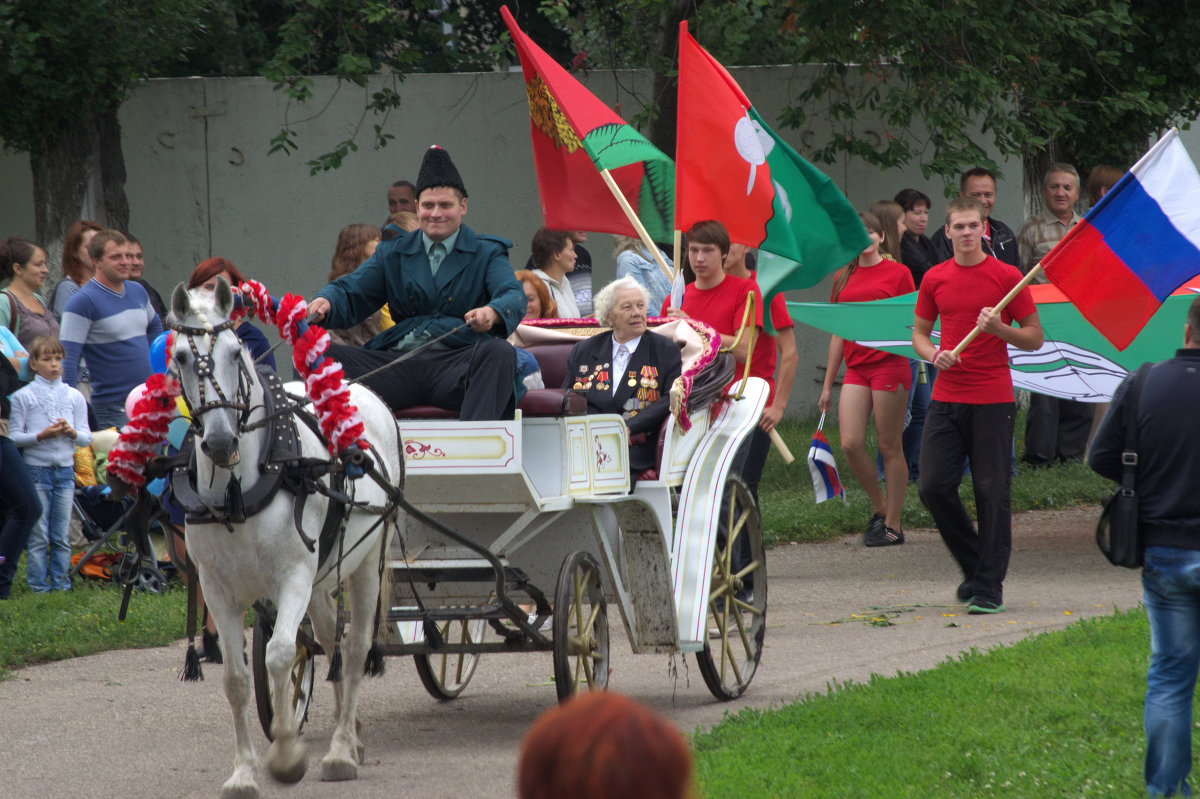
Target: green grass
37,628
1058,714
791,513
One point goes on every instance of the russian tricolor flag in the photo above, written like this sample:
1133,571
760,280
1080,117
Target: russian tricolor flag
823,468
1136,246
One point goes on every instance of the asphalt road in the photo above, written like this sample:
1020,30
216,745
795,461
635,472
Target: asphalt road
121,723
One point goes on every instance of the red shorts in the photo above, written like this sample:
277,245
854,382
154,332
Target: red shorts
888,376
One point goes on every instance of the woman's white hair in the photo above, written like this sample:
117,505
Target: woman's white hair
602,303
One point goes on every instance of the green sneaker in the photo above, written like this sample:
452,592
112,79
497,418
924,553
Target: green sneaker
979,606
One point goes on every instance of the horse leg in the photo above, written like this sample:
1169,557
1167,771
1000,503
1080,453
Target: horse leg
322,610
228,616
345,750
287,757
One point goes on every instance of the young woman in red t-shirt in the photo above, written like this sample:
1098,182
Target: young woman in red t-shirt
876,382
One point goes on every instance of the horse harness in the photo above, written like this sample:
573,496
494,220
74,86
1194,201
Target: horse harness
281,464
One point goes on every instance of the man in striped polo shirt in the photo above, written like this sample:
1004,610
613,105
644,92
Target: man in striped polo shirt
110,323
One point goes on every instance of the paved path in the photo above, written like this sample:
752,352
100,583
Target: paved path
121,723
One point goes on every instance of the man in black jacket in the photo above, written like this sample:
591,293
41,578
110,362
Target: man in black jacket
1168,466
998,239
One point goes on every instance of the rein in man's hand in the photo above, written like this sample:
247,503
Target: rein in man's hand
317,308
482,319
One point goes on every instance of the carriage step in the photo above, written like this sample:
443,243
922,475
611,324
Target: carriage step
454,571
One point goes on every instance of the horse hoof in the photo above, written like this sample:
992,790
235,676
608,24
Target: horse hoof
360,753
239,791
338,770
287,763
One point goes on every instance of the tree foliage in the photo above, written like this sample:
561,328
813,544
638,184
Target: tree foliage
60,59
354,40
1080,80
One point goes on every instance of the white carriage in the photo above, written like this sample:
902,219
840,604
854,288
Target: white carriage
521,534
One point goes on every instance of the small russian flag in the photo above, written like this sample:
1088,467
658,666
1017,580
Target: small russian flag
821,464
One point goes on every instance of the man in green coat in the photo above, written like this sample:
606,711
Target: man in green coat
432,280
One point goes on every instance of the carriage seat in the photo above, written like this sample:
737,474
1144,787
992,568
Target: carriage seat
536,402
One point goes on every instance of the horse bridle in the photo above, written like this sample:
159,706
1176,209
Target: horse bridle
202,366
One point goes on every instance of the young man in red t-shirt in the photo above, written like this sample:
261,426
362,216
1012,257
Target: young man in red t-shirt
719,299
971,414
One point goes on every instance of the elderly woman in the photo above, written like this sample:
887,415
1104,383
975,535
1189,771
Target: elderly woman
628,370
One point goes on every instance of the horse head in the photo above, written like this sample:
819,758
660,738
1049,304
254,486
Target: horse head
215,372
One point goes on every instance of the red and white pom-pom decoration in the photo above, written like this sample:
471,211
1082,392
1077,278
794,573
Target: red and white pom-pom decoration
143,437
326,385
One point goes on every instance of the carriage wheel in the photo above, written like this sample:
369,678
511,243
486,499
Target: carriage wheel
737,598
580,628
301,677
446,675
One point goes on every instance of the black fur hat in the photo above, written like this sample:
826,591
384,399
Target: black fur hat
438,170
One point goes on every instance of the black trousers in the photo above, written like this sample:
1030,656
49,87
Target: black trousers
476,381
20,509
751,457
982,434
1056,429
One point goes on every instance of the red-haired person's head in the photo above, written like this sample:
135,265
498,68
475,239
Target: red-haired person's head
604,746
211,268
77,263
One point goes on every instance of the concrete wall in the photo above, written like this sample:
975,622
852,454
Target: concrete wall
201,182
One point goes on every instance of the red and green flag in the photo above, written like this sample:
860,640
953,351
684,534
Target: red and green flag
574,135
733,168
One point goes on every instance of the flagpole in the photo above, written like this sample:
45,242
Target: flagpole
643,234
1025,281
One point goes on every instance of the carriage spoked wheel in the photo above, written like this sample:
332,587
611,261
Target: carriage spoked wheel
300,679
580,628
445,675
737,597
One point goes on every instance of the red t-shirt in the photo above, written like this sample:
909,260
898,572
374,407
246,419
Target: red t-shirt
956,293
723,307
885,279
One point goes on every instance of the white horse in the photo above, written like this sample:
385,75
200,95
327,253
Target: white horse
266,556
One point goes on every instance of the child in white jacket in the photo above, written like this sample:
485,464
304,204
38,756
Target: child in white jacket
48,420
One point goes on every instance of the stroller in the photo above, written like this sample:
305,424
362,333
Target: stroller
111,553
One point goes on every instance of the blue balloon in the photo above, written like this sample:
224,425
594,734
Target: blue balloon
158,354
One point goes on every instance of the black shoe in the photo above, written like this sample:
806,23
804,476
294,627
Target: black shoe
883,537
980,606
965,591
873,526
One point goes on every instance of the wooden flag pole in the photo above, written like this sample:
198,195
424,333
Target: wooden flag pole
678,242
777,440
637,223
1025,281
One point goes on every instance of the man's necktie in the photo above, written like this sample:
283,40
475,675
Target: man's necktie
620,361
436,253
